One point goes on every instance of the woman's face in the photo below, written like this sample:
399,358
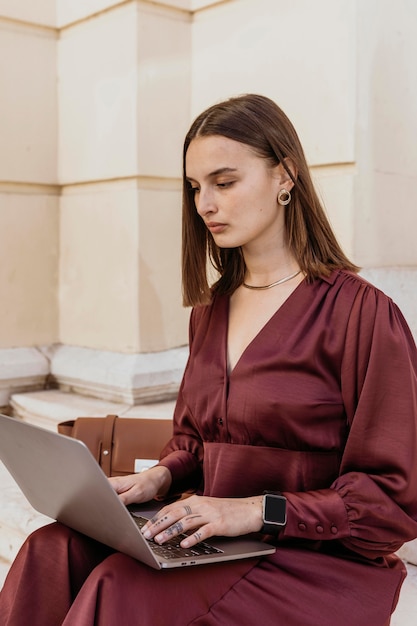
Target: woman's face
235,191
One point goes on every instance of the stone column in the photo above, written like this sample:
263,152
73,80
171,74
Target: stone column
124,94
29,194
95,103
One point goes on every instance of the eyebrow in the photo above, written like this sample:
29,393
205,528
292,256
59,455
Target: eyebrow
221,170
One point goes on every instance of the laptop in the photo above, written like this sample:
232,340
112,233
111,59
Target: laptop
61,479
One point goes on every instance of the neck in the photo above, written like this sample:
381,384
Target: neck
281,281
267,268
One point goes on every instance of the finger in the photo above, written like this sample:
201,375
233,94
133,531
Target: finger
199,535
117,483
155,525
187,509
179,527
164,517
172,531
129,496
193,539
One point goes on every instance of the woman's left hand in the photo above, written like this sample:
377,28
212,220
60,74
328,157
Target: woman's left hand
206,516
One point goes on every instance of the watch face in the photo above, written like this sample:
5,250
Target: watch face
275,509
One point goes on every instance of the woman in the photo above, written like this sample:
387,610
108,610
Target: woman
301,380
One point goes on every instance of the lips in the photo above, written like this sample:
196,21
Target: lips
215,227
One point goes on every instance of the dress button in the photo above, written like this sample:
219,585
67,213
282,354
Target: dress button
319,529
302,526
333,530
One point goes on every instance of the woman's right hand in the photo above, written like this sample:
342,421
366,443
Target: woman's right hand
136,488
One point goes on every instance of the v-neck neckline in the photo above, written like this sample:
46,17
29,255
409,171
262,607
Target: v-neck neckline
262,330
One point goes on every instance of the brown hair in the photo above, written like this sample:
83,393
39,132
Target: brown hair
259,123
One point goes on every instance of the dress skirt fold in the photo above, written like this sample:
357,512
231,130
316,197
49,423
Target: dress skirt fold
83,583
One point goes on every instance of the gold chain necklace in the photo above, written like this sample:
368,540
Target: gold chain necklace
278,282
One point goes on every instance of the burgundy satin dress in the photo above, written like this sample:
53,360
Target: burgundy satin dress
322,406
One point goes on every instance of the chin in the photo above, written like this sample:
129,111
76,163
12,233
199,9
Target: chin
227,242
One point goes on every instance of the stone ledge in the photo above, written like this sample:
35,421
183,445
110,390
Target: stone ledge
21,369
128,379
48,407
118,377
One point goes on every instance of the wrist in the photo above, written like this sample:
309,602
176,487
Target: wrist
162,479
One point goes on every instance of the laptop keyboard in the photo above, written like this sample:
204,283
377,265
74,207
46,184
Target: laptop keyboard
171,549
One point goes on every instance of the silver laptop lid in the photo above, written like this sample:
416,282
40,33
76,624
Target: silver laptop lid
60,478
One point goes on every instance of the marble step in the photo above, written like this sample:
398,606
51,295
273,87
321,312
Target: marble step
47,408
4,568
406,611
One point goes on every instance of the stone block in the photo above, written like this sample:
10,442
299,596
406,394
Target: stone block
120,284
298,53
116,377
21,369
29,223
40,12
132,104
28,103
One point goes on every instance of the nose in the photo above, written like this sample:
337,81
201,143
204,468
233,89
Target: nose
204,202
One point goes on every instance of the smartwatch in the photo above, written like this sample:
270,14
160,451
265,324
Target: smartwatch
274,512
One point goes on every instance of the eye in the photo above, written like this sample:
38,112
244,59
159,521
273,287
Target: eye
225,185
193,189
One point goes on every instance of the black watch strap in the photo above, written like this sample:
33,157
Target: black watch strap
274,512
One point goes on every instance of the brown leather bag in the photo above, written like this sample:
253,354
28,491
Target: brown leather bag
117,442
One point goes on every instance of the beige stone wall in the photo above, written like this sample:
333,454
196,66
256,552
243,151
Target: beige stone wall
385,217
301,54
96,96
343,71
124,108
28,175
41,12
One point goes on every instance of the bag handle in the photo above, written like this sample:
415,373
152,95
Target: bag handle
107,446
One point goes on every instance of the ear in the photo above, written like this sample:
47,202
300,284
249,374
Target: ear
281,173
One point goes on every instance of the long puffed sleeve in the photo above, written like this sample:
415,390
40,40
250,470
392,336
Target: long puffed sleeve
371,508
